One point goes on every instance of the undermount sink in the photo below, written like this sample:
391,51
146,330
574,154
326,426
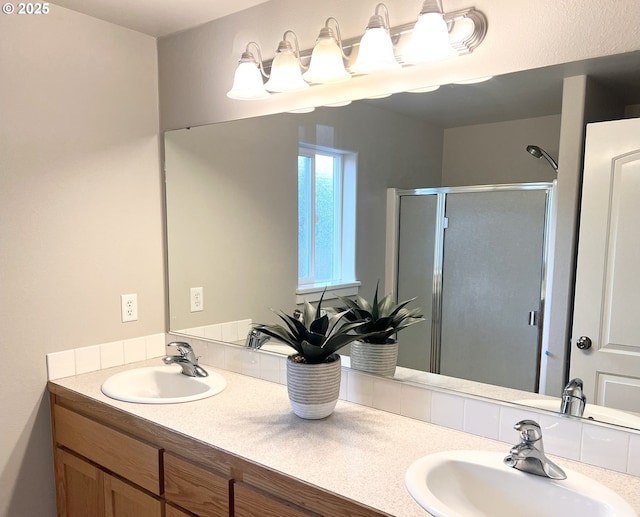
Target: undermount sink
476,483
161,385
591,411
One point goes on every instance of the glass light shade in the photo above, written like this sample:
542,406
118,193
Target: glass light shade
286,75
430,40
375,53
327,65
247,83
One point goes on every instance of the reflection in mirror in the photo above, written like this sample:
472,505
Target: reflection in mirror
232,218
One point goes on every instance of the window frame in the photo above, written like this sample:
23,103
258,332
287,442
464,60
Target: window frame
344,283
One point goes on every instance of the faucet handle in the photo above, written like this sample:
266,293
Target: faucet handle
181,349
529,431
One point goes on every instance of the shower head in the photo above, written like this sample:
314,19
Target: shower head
539,152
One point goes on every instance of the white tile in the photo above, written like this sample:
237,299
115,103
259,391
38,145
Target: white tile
61,364
447,410
230,331
387,395
201,350
155,345
213,332
344,383
244,326
416,402
135,350
270,367
605,447
633,466
250,362
111,354
360,388
481,418
215,354
194,331
87,359
561,435
510,416
283,371
233,359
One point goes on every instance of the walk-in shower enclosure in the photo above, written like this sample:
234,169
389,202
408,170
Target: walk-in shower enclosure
476,259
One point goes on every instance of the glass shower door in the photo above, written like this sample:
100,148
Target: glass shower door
492,274
416,248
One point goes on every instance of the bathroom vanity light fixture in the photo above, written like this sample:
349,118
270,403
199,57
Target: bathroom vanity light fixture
375,52
286,68
247,81
430,36
435,35
327,64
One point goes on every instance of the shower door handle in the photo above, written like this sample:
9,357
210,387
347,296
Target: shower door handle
533,318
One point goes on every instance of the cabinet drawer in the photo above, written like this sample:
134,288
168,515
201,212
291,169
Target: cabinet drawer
251,502
195,488
132,459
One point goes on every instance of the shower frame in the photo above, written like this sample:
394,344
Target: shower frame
392,250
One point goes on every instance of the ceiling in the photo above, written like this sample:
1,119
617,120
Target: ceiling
158,17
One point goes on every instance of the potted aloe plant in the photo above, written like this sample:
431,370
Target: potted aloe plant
377,349
314,370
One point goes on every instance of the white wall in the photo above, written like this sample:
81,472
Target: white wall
80,217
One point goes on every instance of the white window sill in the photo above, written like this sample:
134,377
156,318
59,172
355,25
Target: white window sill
312,293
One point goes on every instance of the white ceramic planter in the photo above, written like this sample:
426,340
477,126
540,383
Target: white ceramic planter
378,359
313,388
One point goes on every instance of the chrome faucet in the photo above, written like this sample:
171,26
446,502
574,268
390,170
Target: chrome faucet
573,399
181,353
255,339
528,455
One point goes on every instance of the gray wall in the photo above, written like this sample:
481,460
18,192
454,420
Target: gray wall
485,154
80,217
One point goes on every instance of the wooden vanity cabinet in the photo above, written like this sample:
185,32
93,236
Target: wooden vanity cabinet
252,502
84,490
111,463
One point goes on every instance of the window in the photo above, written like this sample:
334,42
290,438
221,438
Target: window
326,219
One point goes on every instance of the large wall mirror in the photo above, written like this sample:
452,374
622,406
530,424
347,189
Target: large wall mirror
232,192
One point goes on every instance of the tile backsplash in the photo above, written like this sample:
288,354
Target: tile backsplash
106,355
593,443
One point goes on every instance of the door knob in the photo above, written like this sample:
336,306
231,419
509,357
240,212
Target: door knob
583,343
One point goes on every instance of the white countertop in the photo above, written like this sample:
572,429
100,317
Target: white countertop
357,452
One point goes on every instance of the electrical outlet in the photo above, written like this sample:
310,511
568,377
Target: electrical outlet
129,307
197,299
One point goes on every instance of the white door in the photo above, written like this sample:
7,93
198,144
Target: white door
607,297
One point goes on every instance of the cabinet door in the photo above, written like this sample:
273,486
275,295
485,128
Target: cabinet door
124,500
195,488
79,486
251,502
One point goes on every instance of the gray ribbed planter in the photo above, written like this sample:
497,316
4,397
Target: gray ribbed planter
373,358
313,388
